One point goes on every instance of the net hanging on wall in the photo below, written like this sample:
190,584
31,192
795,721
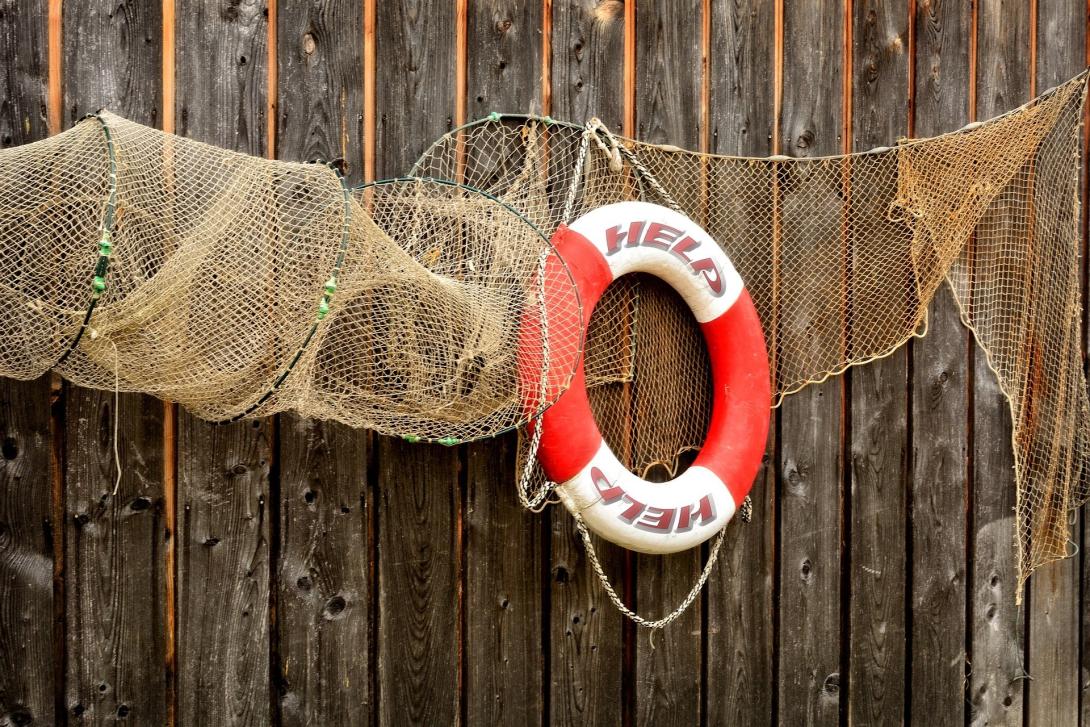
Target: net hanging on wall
842,255
240,287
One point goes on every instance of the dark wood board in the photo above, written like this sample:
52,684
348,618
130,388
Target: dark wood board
940,423
740,606
996,685
324,575
669,78
504,543
585,633
811,421
26,506
504,578
419,495
223,498
115,545
1052,644
879,391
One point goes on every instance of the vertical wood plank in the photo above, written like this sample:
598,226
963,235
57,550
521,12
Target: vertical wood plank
811,423
879,390
223,470
26,520
504,573
419,497
26,529
940,398
998,671
668,89
323,583
504,549
586,652
740,688
115,578
1052,697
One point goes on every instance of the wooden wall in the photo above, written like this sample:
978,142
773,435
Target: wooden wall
296,572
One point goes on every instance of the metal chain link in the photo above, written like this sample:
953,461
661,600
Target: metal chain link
666,620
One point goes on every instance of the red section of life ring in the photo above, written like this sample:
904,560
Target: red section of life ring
598,248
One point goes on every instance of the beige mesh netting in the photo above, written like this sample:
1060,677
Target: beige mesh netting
239,287
842,256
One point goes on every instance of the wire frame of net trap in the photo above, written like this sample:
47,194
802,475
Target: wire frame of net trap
842,256
240,287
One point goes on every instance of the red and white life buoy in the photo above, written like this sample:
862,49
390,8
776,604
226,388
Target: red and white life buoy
600,247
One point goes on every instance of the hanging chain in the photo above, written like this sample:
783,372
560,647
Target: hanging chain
666,620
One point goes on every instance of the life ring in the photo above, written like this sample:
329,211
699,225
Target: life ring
600,247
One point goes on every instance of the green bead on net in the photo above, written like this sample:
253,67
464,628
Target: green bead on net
98,284
323,309
331,286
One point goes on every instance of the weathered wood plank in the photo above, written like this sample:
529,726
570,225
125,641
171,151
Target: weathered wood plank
879,390
324,606
505,564
668,91
324,609
811,423
115,577
585,647
223,470
26,519
504,576
996,685
1052,657
419,496
26,529
740,592
940,398
419,648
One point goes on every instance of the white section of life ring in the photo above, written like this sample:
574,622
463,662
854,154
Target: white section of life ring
601,246
665,254
645,516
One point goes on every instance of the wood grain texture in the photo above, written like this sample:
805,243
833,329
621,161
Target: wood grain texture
115,578
116,611
668,686
26,538
940,425
504,576
1052,657
996,686
504,544
419,572
26,517
811,423
586,648
879,390
324,606
223,470
419,486
740,592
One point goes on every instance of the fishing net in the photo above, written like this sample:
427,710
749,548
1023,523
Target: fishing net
240,287
842,256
